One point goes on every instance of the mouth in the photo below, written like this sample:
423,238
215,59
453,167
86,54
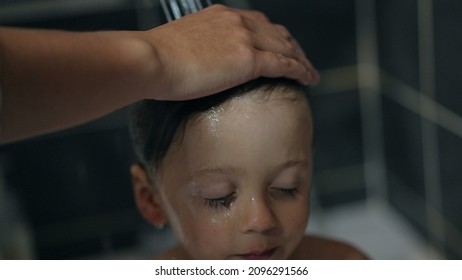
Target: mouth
258,255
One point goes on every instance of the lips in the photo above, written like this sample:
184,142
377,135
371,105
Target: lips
258,255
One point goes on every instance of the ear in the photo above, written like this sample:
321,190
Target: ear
147,197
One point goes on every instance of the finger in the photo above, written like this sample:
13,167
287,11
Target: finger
259,23
301,54
314,72
283,31
276,38
287,49
271,65
255,15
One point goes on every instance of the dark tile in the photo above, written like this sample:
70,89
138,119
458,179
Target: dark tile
403,154
71,177
338,186
343,197
337,130
338,156
452,254
123,19
101,245
124,239
72,250
74,190
450,147
325,29
405,201
398,39
448,58
403,145
105,20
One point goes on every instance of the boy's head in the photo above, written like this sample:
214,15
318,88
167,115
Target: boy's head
230,172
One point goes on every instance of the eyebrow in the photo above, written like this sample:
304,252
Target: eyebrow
290,163
216,170
232,169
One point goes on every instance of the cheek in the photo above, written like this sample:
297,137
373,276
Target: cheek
194,224
207,235
296,216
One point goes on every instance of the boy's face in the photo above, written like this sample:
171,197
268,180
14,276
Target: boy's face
236,183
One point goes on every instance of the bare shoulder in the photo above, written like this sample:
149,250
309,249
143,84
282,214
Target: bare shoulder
321,248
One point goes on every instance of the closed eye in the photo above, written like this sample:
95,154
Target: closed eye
221,202
286,192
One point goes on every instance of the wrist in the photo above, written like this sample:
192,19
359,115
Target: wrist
142,66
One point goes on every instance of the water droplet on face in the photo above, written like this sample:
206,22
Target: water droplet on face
214,119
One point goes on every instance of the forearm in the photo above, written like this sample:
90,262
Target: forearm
53,79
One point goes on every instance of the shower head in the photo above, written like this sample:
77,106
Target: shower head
174,9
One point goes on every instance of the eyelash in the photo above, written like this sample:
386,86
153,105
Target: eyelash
218,203
286,192
225,202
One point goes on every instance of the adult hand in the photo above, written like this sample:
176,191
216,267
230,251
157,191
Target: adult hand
220,47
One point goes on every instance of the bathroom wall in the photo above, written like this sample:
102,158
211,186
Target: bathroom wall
419,57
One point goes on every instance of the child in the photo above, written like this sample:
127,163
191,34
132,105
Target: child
231,173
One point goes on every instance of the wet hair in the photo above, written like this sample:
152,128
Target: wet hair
154,123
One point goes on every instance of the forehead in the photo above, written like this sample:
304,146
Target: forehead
244,130
268,99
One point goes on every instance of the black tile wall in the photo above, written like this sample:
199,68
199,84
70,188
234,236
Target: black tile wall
403,144
325,29
448,60
398,49
398,40
72,250
72,178
78,175
124,19
450,146
405,202
337,130
452,254
403,153
338,145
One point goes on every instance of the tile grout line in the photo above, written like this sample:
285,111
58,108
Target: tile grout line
408,97
429,132
403,94
412,100
338,172
407,191
370,101
337,79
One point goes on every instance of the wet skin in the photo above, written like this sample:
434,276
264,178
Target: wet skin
235,182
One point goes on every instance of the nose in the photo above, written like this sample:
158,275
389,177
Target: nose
257,216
